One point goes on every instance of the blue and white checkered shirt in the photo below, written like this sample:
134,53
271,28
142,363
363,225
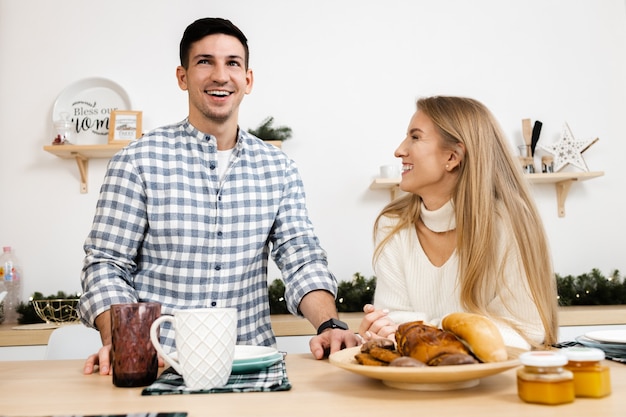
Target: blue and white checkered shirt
166,230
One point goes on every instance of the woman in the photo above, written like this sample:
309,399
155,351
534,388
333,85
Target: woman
467,236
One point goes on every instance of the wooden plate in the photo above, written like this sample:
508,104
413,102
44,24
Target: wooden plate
429,378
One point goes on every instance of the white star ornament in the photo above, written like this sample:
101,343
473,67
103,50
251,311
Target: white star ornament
568,150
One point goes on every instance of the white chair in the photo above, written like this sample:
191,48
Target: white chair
73,341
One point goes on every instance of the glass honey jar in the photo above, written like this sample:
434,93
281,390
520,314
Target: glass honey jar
543,379
591,377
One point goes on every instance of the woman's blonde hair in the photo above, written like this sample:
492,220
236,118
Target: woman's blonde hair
490,187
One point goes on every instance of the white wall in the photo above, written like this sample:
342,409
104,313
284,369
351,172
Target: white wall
344,75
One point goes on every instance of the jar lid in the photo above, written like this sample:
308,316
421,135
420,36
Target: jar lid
543,358
583,354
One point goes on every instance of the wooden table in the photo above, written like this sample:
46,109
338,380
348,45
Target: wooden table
50,388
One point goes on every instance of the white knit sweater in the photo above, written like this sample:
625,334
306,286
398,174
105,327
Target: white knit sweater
412,288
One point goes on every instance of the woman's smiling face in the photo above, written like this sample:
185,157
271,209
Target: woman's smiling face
425,162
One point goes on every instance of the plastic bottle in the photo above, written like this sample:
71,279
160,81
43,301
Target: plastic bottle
3,291
10,274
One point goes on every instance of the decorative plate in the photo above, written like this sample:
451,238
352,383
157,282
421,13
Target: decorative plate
255,365
248,353
429,378
607,336
88,103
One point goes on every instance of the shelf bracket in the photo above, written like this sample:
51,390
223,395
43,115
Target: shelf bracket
562,189
393,191
83,164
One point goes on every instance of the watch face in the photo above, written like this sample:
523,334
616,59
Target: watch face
338,324
332,324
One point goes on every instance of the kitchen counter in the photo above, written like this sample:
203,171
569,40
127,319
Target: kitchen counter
53,388
283,325
288,325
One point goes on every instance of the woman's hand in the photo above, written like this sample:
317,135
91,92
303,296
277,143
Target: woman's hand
377,324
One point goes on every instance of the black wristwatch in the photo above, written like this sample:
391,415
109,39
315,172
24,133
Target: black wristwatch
332,324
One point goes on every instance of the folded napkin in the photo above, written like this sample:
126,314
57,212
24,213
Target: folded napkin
272,378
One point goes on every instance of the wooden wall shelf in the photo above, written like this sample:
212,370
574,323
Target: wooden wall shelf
82,154
561,180
391,184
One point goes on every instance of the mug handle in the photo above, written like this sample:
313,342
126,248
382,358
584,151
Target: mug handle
154,338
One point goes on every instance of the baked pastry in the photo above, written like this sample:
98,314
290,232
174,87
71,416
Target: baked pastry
425,342
407,362
377,343
369,360
452,359
479,333
385,355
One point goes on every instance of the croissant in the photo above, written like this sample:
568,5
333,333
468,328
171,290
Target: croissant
424,342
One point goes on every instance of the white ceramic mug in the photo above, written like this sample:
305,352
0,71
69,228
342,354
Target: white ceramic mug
205,343
389,171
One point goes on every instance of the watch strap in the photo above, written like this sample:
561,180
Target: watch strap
332,324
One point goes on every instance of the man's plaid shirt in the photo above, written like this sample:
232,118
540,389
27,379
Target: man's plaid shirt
167,230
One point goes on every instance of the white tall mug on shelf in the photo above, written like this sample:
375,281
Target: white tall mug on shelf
205,345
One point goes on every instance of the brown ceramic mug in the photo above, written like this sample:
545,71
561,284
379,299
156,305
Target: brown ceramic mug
134,358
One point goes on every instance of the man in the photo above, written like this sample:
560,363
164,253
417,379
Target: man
188,215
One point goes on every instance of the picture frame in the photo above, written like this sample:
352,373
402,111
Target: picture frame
124,126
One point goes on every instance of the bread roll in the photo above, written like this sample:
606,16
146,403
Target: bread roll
479,333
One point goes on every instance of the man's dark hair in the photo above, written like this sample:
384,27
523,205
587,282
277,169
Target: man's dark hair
210,26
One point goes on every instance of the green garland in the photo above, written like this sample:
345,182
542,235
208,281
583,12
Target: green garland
591,289
351,295
267,131
587,289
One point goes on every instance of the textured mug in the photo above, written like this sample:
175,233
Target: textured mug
205,345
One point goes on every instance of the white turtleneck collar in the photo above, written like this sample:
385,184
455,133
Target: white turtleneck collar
440,220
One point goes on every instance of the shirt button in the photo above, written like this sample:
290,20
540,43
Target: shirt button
212,166
219,234
213,303
218,267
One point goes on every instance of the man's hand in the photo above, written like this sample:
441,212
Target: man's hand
331,341
101,360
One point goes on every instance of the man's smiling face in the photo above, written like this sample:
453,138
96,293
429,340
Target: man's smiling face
215,78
